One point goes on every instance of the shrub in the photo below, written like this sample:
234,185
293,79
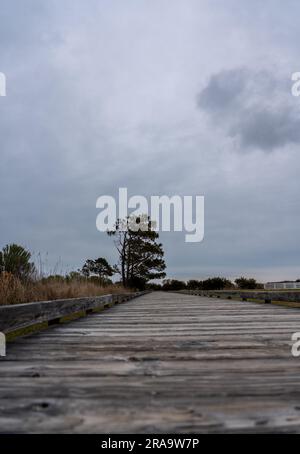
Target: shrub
15,259
216,283
247,284
194,285
173,284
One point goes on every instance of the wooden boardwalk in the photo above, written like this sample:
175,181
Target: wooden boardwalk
160,363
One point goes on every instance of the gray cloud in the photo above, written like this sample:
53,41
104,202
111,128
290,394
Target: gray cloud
224,91
101,95
255,107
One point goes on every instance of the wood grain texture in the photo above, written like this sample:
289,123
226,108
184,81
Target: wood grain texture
15,317
159,363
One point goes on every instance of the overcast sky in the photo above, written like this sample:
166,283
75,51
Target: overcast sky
162,97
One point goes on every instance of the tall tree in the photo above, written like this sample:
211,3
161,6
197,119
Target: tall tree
99,267
15,259
87,268
140,255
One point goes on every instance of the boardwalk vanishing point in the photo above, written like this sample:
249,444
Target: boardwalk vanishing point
161,363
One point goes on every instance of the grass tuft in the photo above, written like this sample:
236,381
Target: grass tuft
14,291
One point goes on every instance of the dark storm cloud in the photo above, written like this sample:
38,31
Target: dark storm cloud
267,129
255,107
223,92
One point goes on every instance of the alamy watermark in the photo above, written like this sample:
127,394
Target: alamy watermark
296,85
2,344
296,345
2,84
176,213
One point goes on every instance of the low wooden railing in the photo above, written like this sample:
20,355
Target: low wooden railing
266,296
21,316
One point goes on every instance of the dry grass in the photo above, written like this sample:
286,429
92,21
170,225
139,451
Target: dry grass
13,291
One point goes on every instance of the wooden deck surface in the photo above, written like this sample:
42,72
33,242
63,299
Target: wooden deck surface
160,363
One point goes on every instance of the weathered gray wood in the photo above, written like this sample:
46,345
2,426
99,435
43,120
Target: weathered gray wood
19,316
161,363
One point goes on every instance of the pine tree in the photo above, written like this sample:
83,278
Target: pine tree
140,255
99,267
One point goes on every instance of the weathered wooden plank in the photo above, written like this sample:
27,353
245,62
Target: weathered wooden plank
205,415
19,316
162,363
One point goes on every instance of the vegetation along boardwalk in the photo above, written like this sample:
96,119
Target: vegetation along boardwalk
160,363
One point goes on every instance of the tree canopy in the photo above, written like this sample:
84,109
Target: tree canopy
99,267
140,254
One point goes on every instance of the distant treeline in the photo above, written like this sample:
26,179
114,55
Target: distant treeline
140,262
213,283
